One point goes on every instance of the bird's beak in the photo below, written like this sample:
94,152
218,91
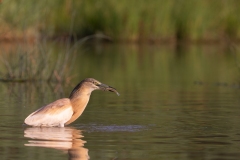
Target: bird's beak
107,88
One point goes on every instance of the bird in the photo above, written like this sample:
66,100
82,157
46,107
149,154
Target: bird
66,110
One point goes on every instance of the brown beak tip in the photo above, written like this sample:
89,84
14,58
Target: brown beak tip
111,89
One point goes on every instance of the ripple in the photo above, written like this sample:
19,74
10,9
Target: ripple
112,128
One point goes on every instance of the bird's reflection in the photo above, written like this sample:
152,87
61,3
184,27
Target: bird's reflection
65,139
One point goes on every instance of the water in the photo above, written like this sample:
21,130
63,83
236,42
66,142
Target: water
174,104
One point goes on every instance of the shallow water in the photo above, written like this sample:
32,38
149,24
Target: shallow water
174,104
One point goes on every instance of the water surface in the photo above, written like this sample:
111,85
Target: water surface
174,104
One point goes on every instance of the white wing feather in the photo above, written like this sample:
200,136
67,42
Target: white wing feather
54,114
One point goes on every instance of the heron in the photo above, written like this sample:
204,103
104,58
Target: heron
66,110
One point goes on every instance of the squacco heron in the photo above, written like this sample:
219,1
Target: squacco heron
66,110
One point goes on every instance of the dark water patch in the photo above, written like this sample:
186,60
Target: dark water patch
211,136
212,142
112,128
229,155
163,137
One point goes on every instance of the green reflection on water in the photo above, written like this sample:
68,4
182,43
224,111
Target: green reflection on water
186,100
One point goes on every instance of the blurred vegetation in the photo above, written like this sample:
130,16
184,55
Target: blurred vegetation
40,62
155,20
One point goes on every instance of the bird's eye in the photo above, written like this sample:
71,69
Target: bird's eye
96,83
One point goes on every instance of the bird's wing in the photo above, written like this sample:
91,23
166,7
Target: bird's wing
54,114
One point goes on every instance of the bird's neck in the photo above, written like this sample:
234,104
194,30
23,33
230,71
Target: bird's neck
79,104
79,99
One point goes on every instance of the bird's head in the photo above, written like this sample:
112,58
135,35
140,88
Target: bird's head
92,84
